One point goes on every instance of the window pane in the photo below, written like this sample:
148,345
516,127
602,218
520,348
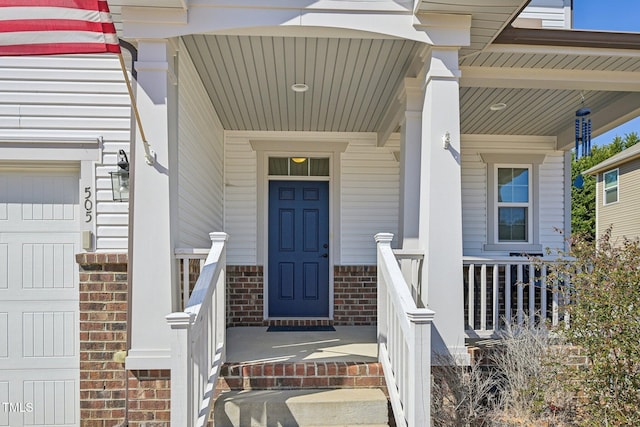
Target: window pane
513,185
299,166
520,176
611,179
611,195
319,167
505,176
278,166
512,224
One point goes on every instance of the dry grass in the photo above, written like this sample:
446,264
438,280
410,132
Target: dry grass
522,385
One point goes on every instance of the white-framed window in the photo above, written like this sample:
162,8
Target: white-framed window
513,203
513,217
299,166
610,184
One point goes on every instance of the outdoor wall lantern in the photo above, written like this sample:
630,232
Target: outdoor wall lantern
120,179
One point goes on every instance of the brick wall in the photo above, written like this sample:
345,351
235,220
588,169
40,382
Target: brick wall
104,401
355,294
245,298
354,297
103,317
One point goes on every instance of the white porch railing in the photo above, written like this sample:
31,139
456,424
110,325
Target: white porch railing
198,342
506,290
190,264
411,267
404,341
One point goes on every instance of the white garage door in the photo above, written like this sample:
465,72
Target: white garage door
39,362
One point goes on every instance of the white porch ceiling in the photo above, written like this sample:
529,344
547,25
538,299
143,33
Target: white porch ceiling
544,86
529,111
351,81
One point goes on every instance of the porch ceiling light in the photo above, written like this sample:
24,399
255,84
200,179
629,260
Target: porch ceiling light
120,179
299,159
299,87
498,106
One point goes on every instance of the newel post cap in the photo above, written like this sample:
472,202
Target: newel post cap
384,238
180,320
218,236
421,315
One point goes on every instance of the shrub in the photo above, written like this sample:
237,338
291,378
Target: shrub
604,309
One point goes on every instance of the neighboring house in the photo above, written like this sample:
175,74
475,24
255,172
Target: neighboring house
302,129
618,194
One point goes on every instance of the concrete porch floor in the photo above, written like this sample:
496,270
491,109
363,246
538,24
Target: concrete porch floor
347,344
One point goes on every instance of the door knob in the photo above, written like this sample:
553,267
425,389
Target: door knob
325,255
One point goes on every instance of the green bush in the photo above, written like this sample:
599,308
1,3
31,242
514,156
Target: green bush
603,301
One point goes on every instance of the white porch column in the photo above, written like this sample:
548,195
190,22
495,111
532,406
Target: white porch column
440,222
151,257
410,141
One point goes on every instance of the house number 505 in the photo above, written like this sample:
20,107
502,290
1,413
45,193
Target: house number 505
88,204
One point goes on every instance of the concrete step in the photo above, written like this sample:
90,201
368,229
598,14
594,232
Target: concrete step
301,408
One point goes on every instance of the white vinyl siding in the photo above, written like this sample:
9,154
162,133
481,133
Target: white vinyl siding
550,202
552,13
71,98
369,201
474,202
368,196
200,161
240,201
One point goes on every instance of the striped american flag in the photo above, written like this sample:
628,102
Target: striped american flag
51,27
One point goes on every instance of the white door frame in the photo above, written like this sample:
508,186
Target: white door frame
289,147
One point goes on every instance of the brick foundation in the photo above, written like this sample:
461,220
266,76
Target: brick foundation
245,297
354,297
103,332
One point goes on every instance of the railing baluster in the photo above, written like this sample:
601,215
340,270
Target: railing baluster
185,282
543,293
471,294
532,295
507,293
566,300
520,303
554,305
496,301
483,297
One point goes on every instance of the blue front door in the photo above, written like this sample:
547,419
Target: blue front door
298,249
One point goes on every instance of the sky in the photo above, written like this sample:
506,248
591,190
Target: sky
612,15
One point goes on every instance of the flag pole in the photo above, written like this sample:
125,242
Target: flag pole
149,155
